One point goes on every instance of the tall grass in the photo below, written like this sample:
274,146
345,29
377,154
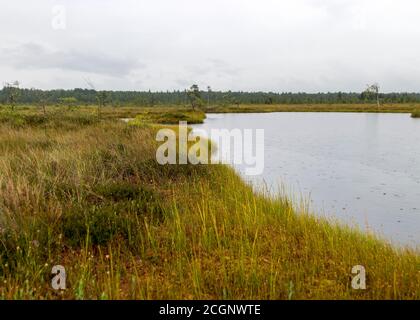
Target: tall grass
415,114
89,195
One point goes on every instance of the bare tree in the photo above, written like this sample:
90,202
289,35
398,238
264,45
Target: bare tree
373,89
12,92
101,96
41,99
208,95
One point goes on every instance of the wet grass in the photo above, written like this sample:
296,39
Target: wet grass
94,200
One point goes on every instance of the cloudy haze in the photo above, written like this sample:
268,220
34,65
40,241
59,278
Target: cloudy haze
268,45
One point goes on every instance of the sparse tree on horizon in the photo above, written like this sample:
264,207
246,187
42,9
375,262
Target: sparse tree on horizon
373,90
12,92
41,99
194,96
101,96
208,95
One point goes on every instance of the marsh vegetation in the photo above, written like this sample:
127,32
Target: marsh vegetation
87,193
416,114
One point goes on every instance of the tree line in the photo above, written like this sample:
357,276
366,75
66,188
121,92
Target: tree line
11,94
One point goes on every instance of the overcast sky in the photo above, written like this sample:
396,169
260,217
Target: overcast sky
268,45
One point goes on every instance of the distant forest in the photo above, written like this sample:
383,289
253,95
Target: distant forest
148,98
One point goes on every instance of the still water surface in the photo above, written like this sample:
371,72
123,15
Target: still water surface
361,168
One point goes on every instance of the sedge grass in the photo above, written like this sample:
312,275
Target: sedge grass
90,196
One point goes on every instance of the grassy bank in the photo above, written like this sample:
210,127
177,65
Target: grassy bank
87,193
170,117
384,108
169,114
157,114
415,114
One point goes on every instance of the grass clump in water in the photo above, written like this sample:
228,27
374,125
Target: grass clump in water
173,117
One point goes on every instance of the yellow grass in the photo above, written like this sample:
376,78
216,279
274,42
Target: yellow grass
87,193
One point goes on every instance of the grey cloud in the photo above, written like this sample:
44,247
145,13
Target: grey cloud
271,45
182,83
36,56
222,66
214,66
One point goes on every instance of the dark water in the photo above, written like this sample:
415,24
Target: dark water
363,169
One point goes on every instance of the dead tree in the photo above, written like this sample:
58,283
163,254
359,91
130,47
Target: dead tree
12,93
373,89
